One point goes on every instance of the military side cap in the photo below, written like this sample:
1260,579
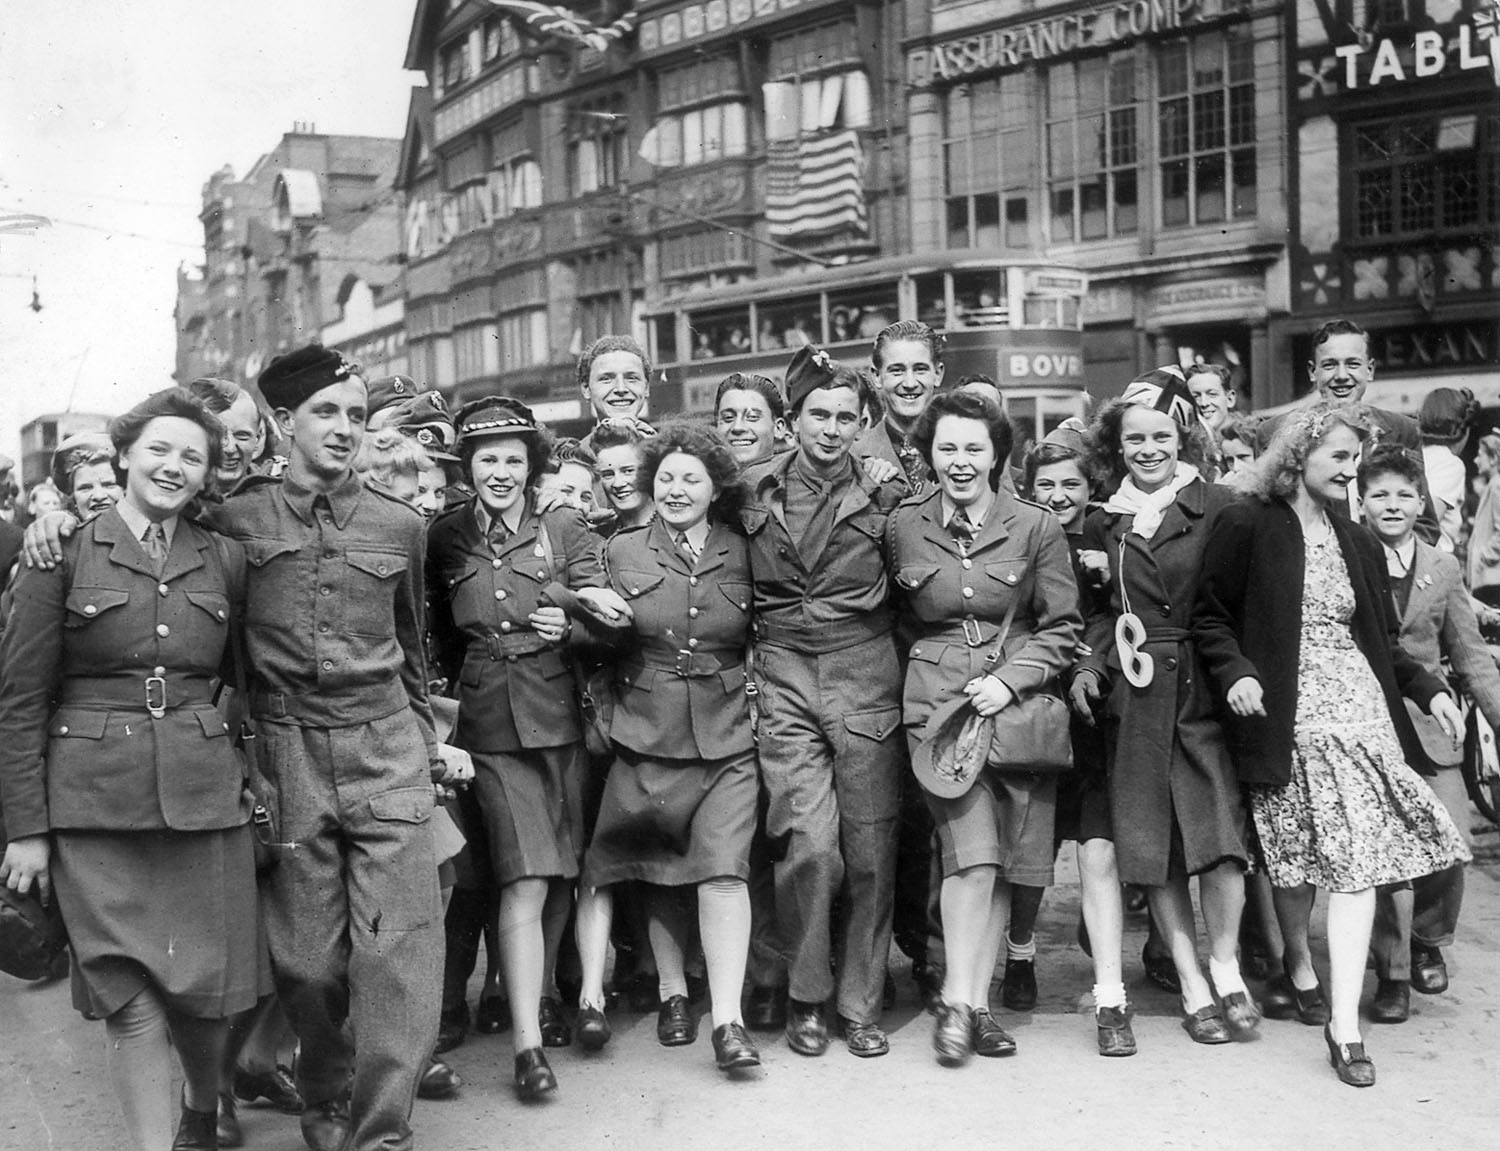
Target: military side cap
292,378
74,452
953,748
424,418
813,368
1068,434
389,391
493,416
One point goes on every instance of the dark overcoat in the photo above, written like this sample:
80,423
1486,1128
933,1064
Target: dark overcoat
1171,778
1248,622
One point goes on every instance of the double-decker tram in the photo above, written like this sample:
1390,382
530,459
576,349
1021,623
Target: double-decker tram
1015,321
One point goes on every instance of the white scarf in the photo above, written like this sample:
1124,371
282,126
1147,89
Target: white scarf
1149,507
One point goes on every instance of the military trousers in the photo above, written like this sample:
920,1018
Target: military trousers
353,914
830,756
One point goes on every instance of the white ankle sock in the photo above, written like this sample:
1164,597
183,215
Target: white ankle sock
1025,950
1226,977
1109,995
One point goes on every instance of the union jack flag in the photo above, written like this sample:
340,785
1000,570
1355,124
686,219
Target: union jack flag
554,20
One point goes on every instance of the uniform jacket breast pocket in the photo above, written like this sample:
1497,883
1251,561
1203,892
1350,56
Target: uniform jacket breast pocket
86,604
372,580
1009,572
637,584
266,602
211,619
913,577
738,594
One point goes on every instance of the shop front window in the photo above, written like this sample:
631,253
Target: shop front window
988,162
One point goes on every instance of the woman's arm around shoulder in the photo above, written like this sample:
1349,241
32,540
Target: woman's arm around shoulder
1224,589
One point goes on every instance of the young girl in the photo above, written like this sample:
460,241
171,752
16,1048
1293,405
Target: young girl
1055,474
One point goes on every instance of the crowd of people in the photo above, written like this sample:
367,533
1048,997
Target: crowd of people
302,700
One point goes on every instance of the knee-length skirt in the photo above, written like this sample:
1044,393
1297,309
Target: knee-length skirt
173,910
531,803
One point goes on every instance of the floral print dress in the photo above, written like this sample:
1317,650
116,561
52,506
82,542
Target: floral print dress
1355,814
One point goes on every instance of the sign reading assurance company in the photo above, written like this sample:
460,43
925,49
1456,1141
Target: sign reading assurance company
1061,35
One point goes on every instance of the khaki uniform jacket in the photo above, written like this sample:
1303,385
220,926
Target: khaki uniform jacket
1020,551
514,690
680,675
79,748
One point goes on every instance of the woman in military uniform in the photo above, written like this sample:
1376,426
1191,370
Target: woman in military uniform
679,804
497,571
962,555
120,783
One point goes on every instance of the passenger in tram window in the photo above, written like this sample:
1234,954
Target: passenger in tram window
767,338
736,342
703,348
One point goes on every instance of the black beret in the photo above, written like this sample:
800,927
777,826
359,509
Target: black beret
292,378
494,416
813,368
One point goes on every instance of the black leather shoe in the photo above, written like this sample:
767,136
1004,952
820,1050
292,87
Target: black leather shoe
867,1040
733,1049
230,1134
806,1033
929,980
953,1034
1429,971
1350,1062
1206,1025
439,1081
1308,1007
1392,1002
765,1008
1161,971
1240,1013
277,1088
197,1130
453,1028
593,1028
554,1024
990,1039
675,1024
1278,1000
325,1126
493,1015
1116,1039
533,1077
1018,988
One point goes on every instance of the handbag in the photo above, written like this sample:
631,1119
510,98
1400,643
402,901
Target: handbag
1032,735
32,934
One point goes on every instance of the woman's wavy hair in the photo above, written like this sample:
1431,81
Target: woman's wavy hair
1039,455
1447,414
176,402
708,446
1105,460
969,406
1278,470
387,454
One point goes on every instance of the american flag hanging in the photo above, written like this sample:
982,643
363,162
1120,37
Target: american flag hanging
815,185
554,20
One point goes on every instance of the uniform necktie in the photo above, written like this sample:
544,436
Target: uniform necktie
912,464
687,547
962,528
154,540
499,533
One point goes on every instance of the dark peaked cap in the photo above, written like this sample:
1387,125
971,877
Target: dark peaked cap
292,378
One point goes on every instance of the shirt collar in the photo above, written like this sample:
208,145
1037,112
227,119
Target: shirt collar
1399,560
512,517
975,517
137,523
697,535
341,500
821,483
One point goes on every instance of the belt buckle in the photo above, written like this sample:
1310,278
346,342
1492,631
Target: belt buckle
972,635
156,696
684,665
492,646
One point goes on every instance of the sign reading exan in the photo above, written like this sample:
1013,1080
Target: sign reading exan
1062,35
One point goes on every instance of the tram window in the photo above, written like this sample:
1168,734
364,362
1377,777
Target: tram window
1051,312
788,325
980,298
1022,413
715,334
861,313
932,308
666,338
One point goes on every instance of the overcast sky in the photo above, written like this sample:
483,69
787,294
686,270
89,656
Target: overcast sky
112,118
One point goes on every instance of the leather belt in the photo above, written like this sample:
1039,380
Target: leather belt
1168,634
495,646
693,664
823,638
156,694
971,633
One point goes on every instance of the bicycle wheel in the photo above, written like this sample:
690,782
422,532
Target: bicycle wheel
1481,766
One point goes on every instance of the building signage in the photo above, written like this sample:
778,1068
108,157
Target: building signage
1426,54
1041,39
1218,298
1459,344
1035,367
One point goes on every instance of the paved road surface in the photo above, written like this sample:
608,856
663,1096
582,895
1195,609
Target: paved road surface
1437,1089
